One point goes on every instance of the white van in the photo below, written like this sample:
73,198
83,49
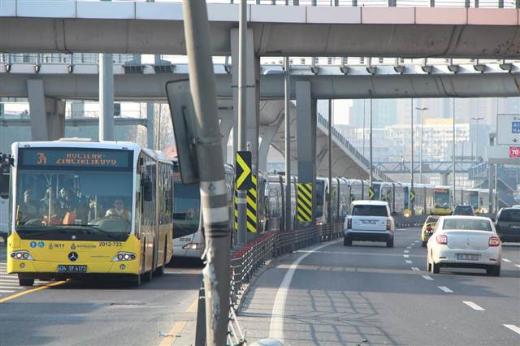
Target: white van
369,221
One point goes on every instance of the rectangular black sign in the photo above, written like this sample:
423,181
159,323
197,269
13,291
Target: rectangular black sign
52,158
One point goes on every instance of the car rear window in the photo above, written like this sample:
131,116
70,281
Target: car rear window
369,210
468,224
509,215
432,219
466,210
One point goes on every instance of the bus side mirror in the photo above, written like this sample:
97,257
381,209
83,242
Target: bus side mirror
147,190
4,186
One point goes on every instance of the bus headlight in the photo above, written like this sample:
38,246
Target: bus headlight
21,255
123,256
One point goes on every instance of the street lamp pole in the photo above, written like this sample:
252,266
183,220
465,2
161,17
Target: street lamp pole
477,119
410,205
453,153
421,142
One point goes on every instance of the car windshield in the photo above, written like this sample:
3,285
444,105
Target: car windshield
468,224
509,215
369,210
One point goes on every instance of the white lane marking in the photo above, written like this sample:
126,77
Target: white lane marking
513,328
445,289
406,256
474,306
408,247
427,277
415,269
408,261
406,251
6,291
278,312
506,260
517,265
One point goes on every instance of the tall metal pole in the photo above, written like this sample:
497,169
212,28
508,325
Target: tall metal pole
287,89
211,171
453,163
242,117
421,149
411,159
371,176
329,201
364,127
106,98
497,207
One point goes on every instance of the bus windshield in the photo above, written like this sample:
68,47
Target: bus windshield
186,209
441,199
84,203
320,193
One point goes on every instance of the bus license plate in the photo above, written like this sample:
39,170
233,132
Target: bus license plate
64,268
467,257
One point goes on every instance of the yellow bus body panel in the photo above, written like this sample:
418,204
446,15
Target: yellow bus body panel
96,255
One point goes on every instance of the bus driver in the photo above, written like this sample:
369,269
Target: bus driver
118,210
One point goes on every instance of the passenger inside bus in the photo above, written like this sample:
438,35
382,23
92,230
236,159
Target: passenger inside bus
119,210
29,208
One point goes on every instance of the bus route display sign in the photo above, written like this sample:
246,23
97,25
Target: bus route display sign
52,158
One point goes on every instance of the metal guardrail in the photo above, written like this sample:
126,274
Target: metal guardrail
349,148
349,3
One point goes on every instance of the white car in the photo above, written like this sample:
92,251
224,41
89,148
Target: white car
370,221
464,242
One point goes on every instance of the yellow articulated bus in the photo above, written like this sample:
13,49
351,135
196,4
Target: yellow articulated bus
83,208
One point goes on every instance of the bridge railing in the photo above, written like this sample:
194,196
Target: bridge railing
349,148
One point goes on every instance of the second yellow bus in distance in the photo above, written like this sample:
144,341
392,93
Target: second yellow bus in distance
84,208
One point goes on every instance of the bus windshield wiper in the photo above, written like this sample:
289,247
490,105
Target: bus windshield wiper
96,229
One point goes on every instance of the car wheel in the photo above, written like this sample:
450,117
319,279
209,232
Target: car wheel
428,265
436,268
25,281
493,271
390,243
423,244
347,241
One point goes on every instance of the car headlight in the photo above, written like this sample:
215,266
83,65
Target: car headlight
192,246
21,255
123,256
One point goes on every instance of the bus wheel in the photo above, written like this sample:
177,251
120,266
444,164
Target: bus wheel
25,281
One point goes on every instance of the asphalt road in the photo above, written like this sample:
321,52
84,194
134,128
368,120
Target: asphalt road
368,294
100,313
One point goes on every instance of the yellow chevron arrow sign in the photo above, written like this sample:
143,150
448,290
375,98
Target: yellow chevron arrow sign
243,174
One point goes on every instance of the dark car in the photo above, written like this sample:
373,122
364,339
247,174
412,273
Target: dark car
508,224
464,210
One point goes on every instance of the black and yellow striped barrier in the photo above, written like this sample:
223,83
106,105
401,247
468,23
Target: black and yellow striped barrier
250,210
304,202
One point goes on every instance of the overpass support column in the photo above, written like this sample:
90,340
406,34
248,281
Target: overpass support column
226,124
47,114
444,179
267,133
150,128
306,137
252,96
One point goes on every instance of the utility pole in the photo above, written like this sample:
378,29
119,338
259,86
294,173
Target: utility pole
411,206
364,127
453,144
287,100
421,142
211,171
329,201
371,175
242,117
477,119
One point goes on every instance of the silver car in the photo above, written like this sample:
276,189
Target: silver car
464,242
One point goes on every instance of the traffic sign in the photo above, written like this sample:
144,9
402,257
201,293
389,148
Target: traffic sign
371,193
243,176
412,196
508,129
514,152
304,202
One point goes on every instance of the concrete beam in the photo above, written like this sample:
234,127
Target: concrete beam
156,28
151,86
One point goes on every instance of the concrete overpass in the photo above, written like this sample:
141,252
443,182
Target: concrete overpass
155,28
146,82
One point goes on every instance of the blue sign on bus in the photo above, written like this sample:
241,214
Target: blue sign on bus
516,126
